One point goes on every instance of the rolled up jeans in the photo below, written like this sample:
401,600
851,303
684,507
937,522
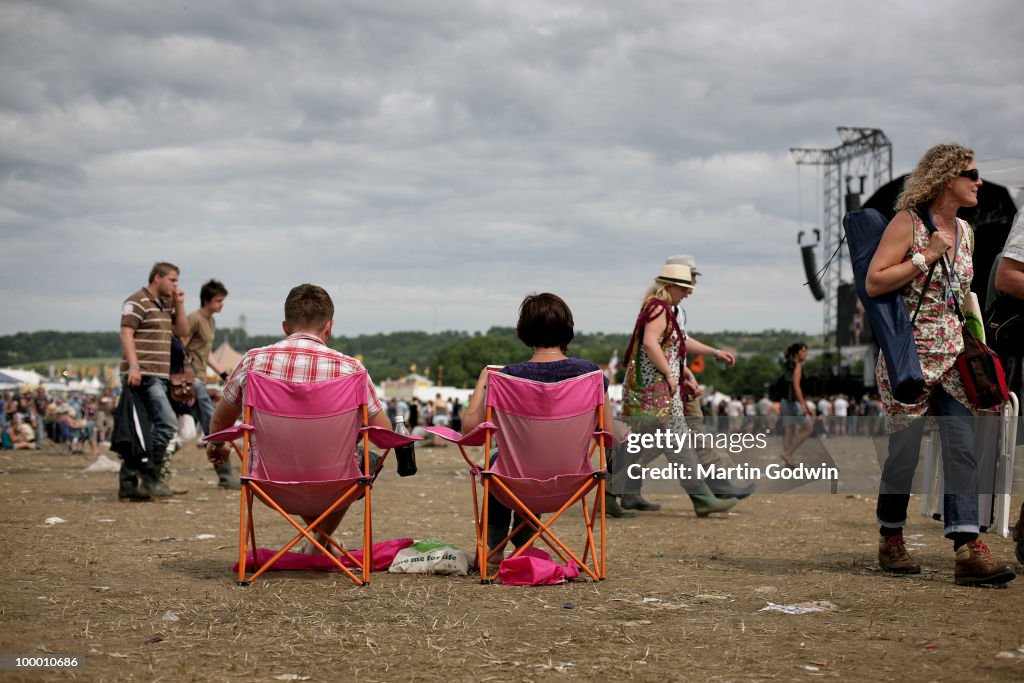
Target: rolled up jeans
959,467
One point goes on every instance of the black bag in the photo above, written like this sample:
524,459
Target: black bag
1004,325
131,437
777,389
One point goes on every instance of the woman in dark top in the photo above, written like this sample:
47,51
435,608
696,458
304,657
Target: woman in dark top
796,420
545,325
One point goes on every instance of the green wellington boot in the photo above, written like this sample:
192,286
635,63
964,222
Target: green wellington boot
705,502
612,507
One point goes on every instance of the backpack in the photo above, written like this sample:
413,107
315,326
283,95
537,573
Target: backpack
779,389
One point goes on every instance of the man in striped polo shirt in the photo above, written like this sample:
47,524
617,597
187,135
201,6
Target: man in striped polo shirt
149,318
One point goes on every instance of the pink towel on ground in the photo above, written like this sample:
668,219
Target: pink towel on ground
535,568
383,554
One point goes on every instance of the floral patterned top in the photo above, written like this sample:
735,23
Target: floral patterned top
648,393
937,330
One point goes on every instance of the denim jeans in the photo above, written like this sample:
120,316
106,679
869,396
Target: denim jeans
163,421
959,467
203,409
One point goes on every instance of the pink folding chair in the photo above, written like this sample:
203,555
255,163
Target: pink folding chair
299,457
547,435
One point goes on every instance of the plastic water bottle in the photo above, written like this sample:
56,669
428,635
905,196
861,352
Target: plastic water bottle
405,455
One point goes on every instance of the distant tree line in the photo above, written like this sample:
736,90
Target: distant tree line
453,357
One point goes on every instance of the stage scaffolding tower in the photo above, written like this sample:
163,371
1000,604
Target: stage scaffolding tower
865,156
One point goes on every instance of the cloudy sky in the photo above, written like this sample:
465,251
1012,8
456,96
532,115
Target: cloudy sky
430,162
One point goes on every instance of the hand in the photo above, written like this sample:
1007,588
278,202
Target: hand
134,377
673,386
179,296
726,357
693,389
938,243
218,453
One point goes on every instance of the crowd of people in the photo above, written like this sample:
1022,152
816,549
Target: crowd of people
831,415
76,421
419,414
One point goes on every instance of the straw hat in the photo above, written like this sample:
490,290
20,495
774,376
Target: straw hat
684,260
676,274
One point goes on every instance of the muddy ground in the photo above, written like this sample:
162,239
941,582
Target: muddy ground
144,592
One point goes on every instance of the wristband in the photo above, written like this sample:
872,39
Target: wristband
133,367
224,376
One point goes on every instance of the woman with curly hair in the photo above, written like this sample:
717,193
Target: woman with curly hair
925,252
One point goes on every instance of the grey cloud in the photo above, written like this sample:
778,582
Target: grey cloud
433,162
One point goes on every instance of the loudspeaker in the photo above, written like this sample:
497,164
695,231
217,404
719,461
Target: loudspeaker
811,266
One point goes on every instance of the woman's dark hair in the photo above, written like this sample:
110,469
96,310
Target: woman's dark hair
794,349
545,320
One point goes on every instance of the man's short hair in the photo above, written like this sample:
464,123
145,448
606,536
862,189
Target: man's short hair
162,268
308,307
211,289
544,321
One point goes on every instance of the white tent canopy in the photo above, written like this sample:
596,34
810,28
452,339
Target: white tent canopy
23,377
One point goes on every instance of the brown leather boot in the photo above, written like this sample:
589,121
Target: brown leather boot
893,556
975,567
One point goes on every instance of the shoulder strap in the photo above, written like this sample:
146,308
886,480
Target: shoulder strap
649,312
956,302
930,227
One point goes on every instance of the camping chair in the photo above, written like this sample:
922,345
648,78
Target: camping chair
546,435
994,443
299,458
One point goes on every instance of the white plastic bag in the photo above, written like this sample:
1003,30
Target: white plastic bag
447,561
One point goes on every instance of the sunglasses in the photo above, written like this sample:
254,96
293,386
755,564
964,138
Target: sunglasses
971,174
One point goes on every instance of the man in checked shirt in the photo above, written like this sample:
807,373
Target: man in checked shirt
302,357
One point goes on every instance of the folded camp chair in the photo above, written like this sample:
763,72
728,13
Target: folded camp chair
995,442
546,435
299,457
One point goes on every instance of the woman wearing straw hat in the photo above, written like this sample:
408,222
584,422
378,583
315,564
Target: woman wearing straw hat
656,356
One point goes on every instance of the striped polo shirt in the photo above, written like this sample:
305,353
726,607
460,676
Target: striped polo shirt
152,321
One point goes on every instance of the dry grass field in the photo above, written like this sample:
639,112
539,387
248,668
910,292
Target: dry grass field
144,592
